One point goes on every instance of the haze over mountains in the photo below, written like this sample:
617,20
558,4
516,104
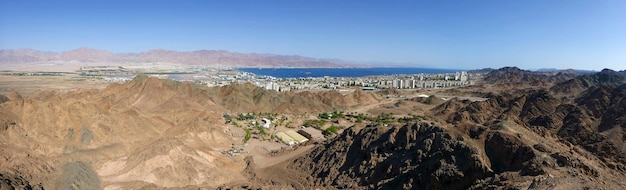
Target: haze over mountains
210,58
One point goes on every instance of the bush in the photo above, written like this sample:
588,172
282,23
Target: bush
331,130
248,136
288,124
337,114
242,117
314,123
324,116
385,118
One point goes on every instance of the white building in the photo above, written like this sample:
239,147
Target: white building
267,123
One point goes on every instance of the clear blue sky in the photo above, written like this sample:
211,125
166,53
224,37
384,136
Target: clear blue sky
580,34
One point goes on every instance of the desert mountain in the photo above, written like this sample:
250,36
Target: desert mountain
578,84
429,155
211,58
594,120
155,134
408,156
513,75
9,56
483,70
250,98
529,140
146,132
85,55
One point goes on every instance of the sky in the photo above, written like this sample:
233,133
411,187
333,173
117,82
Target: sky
530,34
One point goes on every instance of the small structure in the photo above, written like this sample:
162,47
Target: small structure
285,138
291,137
299,138
311,133
267,123
368,89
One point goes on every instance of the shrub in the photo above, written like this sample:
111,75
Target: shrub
331,130
324,116
248,136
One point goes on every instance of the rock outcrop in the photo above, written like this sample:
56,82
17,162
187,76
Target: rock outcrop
581,83
409,156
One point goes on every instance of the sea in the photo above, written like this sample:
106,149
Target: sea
341,72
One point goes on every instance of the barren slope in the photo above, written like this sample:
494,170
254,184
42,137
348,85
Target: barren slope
146,132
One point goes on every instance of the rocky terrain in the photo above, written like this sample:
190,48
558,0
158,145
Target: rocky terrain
250,98
565,133
536,140
404,156
592,119
211,58
577,85
94,138
144,133
514,75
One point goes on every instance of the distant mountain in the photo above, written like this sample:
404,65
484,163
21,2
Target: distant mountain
507,75
484,70
213,58
24,56
546,69
578,84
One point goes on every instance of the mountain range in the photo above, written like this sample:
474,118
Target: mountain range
542,138
563,132
210,58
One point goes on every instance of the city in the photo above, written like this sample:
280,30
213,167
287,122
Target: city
226,76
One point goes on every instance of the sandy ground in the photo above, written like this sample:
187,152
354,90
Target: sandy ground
366,108
52,66
264,160
33,85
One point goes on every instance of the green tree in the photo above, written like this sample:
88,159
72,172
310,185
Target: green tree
337,114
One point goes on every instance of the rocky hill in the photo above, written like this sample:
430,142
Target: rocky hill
155,134
409,156
581,83
481,71
513,75
532,140
146,132
592,121
427,155
138,132
250,98
211,58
